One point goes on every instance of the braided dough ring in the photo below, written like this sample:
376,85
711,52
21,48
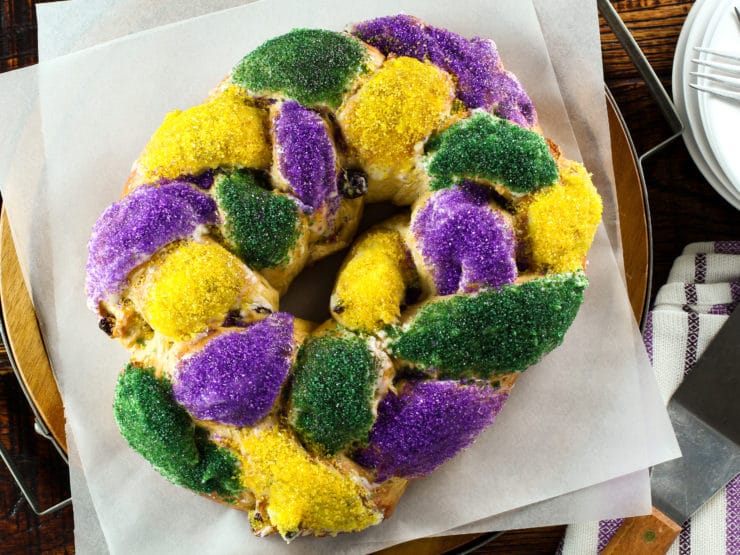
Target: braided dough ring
316,429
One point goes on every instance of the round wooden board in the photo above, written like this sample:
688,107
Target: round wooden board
633,212
27,347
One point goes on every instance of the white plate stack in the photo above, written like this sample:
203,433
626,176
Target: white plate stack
712,123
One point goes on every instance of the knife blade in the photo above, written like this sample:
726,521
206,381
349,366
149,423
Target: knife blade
705,413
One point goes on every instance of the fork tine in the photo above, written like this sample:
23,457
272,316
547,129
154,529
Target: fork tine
735,57
727,68
718,92
737,12
729,81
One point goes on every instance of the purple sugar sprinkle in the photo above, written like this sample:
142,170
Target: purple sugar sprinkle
237,376
426,424
203,180
482,81
306,156
464,242
131,230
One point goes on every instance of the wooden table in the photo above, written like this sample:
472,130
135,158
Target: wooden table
684,209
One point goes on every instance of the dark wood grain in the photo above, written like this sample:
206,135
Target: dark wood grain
18,39
21,531
684,209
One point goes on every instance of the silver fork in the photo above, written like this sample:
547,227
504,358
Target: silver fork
727,79
732,68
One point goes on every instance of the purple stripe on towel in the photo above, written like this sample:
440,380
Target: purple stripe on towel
647,335
727,247
684,539
607,529
732,517
700,267
722,309
692,342
689,290
735,291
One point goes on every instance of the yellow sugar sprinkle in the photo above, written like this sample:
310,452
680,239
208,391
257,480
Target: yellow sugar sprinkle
223,131
301,492
562,220
371,285
192,288
398,107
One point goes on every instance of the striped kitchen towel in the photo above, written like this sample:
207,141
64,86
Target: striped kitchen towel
707,298
702,290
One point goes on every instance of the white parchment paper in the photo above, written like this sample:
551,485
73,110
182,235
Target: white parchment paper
65,27
575,420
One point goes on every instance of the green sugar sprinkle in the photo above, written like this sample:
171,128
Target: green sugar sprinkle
308,65
333,391
260,225
496,331
490,148
162,432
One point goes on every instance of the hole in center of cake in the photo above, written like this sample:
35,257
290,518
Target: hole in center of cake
309,294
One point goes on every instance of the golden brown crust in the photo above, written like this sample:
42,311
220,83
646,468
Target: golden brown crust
387,494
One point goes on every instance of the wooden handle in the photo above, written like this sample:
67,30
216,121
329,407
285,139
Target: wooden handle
651,534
